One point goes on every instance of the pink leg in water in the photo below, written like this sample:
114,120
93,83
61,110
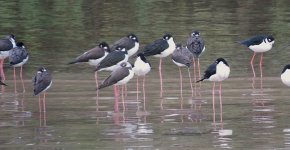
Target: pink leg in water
180,80
44,102
39,109
126,90
252,65
39,104
199,77
144,97
116,91
190,81
14,77
261,71
21,78
221,104
161,80
194,77
137,88
2,69
96,79
213,103
123,100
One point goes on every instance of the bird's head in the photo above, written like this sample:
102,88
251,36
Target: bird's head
285,68
221,60
195,33
167,36
41,70
20,44
121,49
133,37
105,46
270,39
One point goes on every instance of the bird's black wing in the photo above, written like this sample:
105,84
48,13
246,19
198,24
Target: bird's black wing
94,53
17,55
155,48
5,45
211,70
111,59
41,82
124,42
195,45
183,56
253,41
114,77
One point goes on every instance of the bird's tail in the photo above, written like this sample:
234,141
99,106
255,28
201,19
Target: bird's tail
200,80
2,83
72,62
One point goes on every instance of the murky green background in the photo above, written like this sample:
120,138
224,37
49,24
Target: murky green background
255,115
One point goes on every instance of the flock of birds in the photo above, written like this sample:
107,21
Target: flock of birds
115,58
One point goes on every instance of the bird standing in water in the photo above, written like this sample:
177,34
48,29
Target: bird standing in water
217,72
18,56
259,44
42,82
195,45
182,57
6,45
160,48
94,56
141,67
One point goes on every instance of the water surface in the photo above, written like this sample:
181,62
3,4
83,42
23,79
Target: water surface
254,113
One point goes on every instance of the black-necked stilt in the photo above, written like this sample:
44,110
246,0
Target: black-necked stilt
18,56
129,42
120,76
217,72
6,45
195,45
285,75
182,57
259,44
141,67
42,82
160,48
113,60
94,56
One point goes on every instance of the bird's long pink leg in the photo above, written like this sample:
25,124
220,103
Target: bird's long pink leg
190,81
123,100
252,65
116,91
44,102
221,104
14,76
144,94
213,103
180,80
96,79
39,104
21,78
161,80
39,109
261,70
125,86
137,88
198,65
194,76
2,69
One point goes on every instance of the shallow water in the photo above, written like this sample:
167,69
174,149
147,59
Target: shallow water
254,111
